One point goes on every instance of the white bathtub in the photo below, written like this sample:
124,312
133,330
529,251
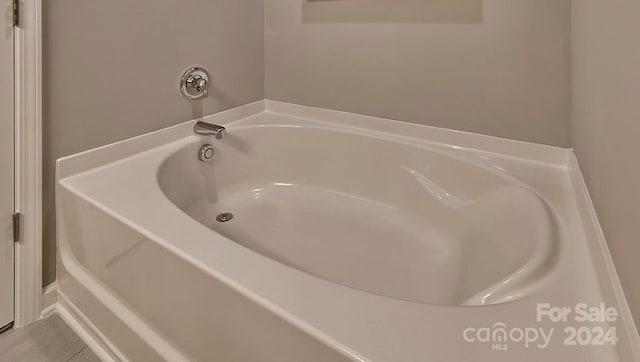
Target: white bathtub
353,238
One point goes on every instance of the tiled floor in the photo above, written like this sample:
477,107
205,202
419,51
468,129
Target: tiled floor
47,340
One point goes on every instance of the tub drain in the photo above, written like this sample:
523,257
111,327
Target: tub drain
224,217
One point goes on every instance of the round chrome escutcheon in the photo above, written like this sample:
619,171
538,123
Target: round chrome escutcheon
206,153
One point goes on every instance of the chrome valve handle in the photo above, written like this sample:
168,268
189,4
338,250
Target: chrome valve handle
194,83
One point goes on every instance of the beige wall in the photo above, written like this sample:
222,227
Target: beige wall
606,125
111,71
502,70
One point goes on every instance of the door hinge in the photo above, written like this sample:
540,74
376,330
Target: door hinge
16,12
16,226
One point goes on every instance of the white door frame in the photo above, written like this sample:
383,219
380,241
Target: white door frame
28,143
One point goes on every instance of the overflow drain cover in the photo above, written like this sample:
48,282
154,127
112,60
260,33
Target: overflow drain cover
224,217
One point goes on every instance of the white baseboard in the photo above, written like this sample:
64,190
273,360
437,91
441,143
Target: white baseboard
49,300
53,302
87,331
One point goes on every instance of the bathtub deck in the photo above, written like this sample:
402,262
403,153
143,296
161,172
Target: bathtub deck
47,340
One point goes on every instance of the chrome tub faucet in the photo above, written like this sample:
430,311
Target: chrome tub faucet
210,129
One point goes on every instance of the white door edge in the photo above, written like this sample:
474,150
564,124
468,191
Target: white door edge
28,176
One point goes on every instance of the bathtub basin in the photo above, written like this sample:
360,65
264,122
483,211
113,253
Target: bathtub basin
399,220
351,238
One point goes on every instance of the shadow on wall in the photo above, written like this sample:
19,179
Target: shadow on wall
396,11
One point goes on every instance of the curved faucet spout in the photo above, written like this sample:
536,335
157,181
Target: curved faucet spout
209,129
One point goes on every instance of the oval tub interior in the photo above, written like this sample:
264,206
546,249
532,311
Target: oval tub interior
384,216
